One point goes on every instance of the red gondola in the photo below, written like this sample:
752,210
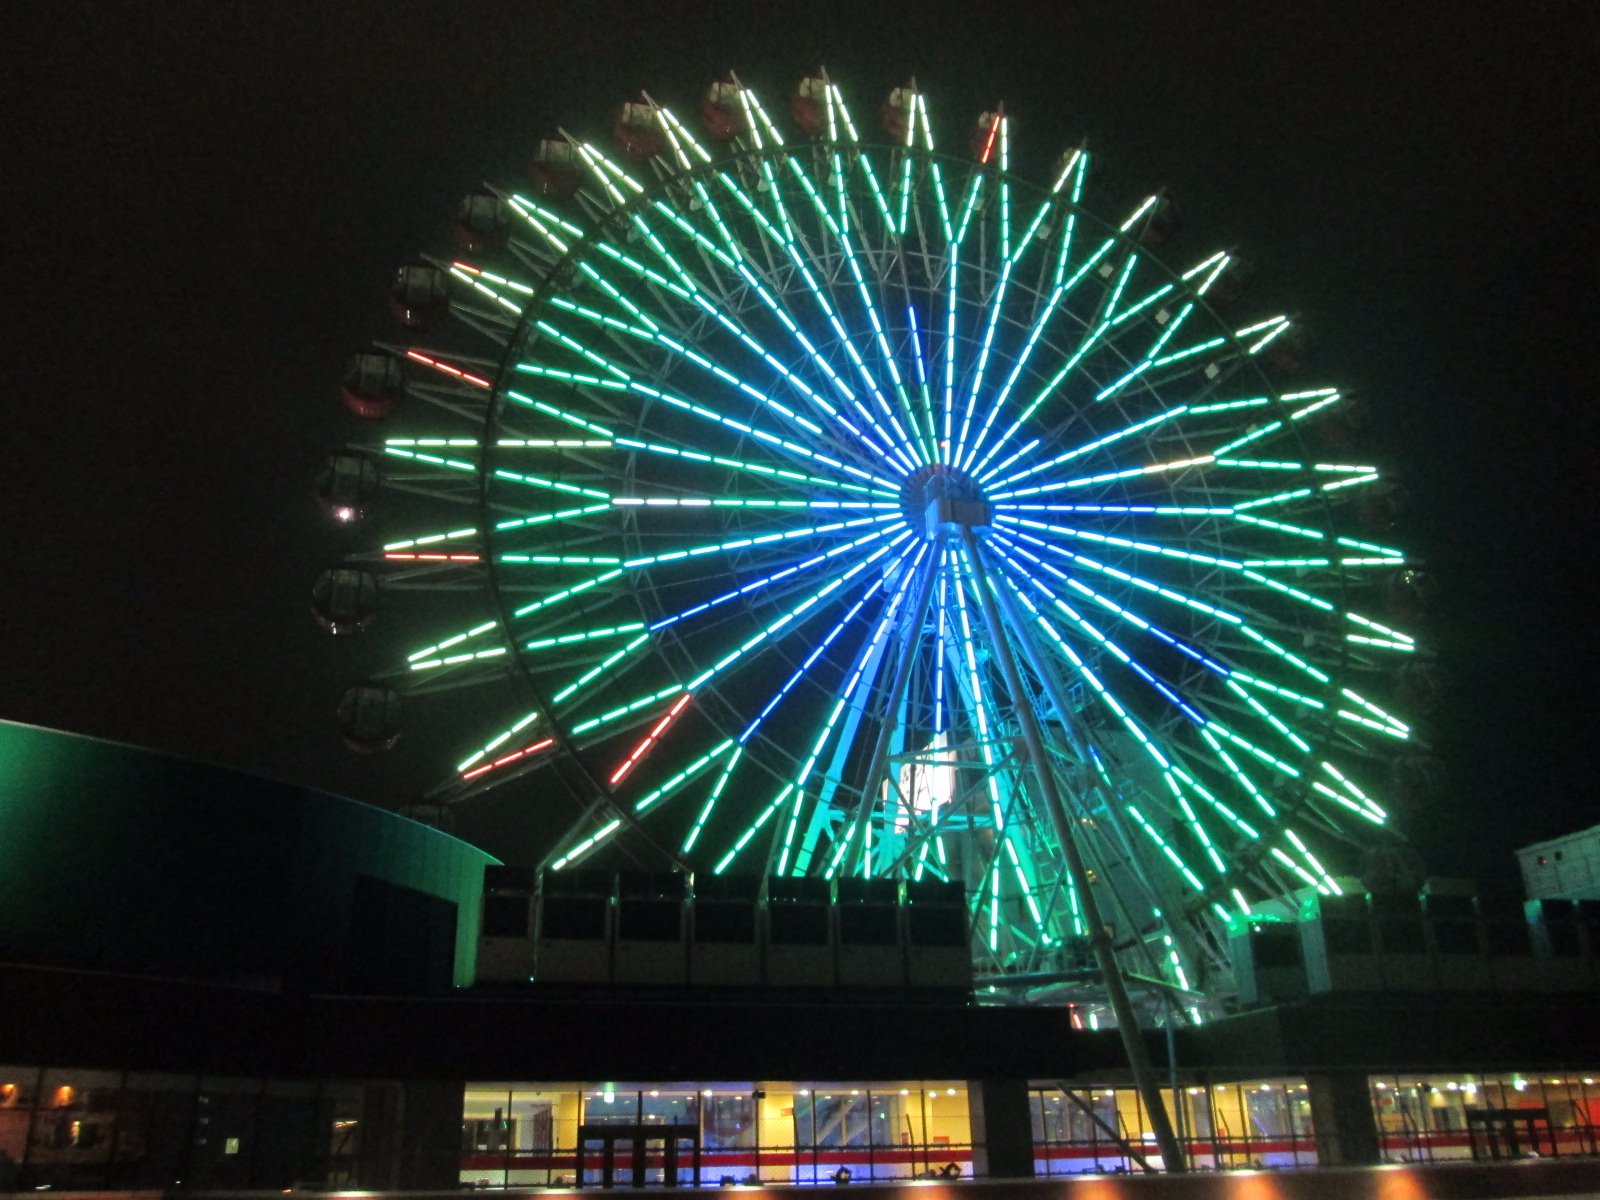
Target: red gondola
344,600
721,111
419,295
637,131
372,384
368,718
808,107
555,169
897,114
482,222
346,487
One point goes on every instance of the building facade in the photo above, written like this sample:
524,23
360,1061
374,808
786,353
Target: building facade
211,981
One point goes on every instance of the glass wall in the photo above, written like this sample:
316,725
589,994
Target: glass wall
1424,1118
1268,1123
516,1135
69,1128
1253,1123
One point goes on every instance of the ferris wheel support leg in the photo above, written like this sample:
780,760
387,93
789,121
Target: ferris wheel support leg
879,763
1099,937
1058,699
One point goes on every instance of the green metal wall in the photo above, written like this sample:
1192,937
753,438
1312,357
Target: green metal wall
122,859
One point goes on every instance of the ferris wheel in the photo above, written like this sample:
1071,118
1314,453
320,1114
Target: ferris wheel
844,505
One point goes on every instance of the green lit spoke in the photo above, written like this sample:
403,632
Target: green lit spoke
1184,707
1169,771
793,792
684,284
731,256
1212,732
817,654
1173,595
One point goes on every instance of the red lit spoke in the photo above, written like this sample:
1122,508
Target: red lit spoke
988,146
394,556
649,740
526,751
446,368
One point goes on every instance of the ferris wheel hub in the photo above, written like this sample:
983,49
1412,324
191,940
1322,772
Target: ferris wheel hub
939,501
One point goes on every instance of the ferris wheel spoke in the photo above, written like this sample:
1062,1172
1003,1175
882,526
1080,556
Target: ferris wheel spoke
786,241
664,791
791,794
747,392
1112,317
1075,170
689,289
684,692
870,662
1187,708
707,414
1164,765
763,399
839,226
1239,624
833,227
1084,448
875,188
731,416
734,258
955,235
988,727
840,231
903,189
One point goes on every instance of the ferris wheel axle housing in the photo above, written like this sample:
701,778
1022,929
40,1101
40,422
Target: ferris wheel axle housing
939,501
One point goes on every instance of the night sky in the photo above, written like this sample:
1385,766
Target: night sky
203,202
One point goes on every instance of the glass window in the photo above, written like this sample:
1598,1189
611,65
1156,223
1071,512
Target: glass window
660,1106
729,1122
76,1118
224,1132
839,1117
1269,1115
18,1085
341,1115
485,1120
153,1119
610,1106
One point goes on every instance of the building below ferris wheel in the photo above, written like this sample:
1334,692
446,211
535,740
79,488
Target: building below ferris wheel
214,981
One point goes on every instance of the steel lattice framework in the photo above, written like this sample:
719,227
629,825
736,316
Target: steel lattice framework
808,472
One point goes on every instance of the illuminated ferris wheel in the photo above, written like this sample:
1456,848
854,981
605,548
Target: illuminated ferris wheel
843,506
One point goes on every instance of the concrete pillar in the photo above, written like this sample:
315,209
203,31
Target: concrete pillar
381,1137
1342,1119
430,1147
1002,1128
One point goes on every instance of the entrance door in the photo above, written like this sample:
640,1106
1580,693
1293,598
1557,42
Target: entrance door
644,1148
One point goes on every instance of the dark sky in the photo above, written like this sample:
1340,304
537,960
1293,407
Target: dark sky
203,200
